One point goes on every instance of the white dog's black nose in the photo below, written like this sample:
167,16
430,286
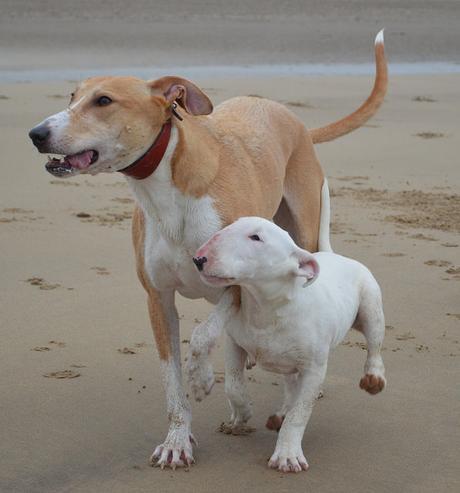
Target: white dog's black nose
199,262
40,134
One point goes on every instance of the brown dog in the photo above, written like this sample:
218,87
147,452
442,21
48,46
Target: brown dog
191,175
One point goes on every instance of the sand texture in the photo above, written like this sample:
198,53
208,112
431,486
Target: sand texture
81,400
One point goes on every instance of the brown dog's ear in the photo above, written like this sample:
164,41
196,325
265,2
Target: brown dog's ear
188,95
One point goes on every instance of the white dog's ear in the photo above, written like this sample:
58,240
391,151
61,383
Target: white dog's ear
307,266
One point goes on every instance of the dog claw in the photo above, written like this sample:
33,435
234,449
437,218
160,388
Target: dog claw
173,455
292,462
193,440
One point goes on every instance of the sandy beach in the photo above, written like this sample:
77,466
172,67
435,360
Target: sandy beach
72,306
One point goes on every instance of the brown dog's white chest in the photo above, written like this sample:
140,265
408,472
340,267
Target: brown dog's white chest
175,226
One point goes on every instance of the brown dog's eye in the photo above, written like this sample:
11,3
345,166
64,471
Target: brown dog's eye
255,238
103,101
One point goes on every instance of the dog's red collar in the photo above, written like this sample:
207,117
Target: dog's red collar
148,163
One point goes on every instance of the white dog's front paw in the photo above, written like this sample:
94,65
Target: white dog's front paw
176,450
200,375
288,459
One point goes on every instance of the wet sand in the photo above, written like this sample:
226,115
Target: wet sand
68,276
113,33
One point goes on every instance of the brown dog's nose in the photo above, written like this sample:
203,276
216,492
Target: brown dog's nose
40,134
199,262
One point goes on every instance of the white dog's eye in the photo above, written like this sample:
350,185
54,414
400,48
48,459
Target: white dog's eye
255,238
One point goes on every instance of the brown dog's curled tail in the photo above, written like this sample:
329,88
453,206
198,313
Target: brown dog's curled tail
367,109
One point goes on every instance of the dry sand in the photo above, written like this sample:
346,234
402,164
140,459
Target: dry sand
82,405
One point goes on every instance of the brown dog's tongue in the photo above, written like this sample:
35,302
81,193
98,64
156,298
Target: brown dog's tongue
80,161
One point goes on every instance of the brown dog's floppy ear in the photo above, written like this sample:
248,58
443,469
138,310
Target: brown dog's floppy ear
188,95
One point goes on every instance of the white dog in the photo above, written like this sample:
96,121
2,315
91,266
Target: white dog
295,306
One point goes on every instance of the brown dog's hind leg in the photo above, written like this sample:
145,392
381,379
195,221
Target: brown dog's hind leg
302,195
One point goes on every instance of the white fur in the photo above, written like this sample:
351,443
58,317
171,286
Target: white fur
77,103
285,327
379,39
205,335
99,136
175,225
57,124
324,243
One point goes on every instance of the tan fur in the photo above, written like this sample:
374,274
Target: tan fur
365,111
195,147
236,295
255,152
252,156
132,116
157,317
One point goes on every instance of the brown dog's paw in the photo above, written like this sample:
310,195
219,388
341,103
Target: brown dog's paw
372,383
274,422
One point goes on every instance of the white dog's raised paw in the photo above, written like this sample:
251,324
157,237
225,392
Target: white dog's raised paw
291,462
373,384
173,455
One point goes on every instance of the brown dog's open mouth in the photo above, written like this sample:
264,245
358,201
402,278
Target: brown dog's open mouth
70,164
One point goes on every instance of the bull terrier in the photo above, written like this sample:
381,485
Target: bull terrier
295,307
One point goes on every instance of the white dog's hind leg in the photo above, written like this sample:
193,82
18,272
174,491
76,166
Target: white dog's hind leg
288,455
235,389
371,323
204,336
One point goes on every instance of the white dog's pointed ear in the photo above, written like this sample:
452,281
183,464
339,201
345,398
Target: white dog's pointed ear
307,266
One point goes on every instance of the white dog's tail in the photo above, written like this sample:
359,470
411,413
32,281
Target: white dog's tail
324,244
367,109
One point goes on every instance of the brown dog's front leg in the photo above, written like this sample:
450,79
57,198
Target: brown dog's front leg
160,325
176,450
